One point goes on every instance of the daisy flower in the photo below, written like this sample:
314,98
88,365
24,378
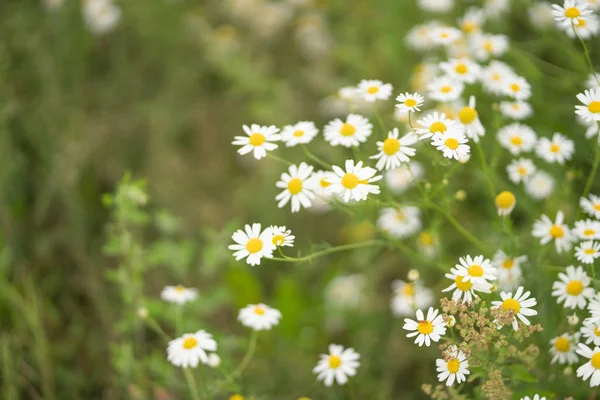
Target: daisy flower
299,133
436,123
400,222
440,6
520,305
594,309
461,69
520,170
465,288
354,131
190,349
453,367
587,229
591,205
295,187
345,292
593,80
476,269
508,270
495,76
403,177
355,182
472,21
373,90
409,102
213,360
592,367
427,244
505,202
517,88
419,37
259,140
557,150
253,244
338,365
444,35
590,111
572,288
556,231
540,14
570,12
101,16
563,348
535,397
426,329
409,296
394,151
452,144
518,110
540,185
485,46
178,294
517,138
445,89
282,236
591,332
587,252
259,317
469,119
585,28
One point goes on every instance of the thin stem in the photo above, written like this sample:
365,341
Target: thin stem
592,176
189,377
179,321
314,157
352,246
380,122
156,328
486,171
283,160
243,365
409,121
586,53
459,227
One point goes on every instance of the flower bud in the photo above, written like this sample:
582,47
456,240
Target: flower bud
413,275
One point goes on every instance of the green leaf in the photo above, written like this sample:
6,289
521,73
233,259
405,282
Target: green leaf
521,374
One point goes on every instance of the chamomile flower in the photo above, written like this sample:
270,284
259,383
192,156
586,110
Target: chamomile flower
540,14
259,140
508,270
299,133
476,269
563,348
453,367
259,317
354,131
426,329
472,21
591,205
295,187
465,288
409,102
355,182
592,367
427,244
587,252
587,229
495,76
461,69
101,16
520,304
440,6
592,127
191,349
252,244
419,37
337,366
594,309
518,110
445,89
403,177
452,144
282,236
444,35
517,88
469,119
436,123
517,138
178,294
593,80
570,12
400,222
590,111
505,202
535,397
557,150
345,291
519,170
409,296
556,231
394,150
373,90
486,46
540,185
591,333
586,27
572,288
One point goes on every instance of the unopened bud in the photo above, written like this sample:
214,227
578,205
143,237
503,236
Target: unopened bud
451,321
413,275
568,371
213,360
573,319
142,312
461,195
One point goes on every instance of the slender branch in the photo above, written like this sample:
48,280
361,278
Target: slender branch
486,171
282,160
243,365
352,246
586,53
459,228
314,157
590,181
189,377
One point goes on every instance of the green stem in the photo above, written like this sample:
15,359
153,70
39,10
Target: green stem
409,121
330,250
179,321
486,171
274,157
243,365
459,228
380,122
156,328
314,157
586,53
189,377
592,176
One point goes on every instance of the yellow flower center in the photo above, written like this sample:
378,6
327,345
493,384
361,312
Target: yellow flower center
399,215
488,46
556,231
596,331
453,366
254,245
425,327
298,133
516,140
408,289
437,127
446,89
554,148
594,107
562,344
347,129
350,181
179,289
426,239
278,240
595,360
451,143
410,103
467,115
259,310
462,285
522,171
295,185
256,139
589,232
515,87
596,206
373,89
572,12
505,200
511,304
574,288
475,270
391,146
236,397
461,68
589,251
496,76
189,343
444,35
580,23
468,27
334,362
508,263
324,183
